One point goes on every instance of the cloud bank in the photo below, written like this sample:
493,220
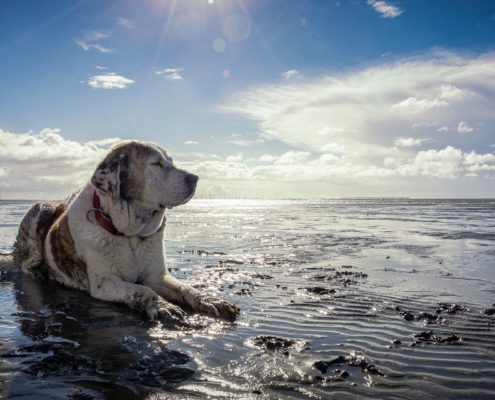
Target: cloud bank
417,117
46,165
365,112
415,127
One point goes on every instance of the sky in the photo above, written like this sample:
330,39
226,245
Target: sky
260,98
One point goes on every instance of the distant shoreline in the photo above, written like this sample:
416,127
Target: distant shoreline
308,199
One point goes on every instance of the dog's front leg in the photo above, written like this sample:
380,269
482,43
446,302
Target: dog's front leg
138,297
171,289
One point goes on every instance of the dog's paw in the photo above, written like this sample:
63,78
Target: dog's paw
167,312
215,307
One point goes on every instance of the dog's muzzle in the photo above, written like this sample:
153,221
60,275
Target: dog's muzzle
191,181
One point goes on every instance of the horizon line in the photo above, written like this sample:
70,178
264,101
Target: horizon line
295,198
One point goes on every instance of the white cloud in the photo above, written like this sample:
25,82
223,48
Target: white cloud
414,105
448,163
325,159
476,158
126,23
292,158
109,81
450,92
391,162
407,142
93,36
290,74
360,127
476,168
334,148
92,46
267,158
476,163
196,156
385,9
340,129
190,142
425,124
354,112
326,131
445,163
46,165
443,93
89,41
172,74
235,159
463,127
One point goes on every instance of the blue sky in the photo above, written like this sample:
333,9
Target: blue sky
260,98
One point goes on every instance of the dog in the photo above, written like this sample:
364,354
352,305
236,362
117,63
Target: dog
108,237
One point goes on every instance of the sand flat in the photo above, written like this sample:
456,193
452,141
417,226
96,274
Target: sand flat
339,298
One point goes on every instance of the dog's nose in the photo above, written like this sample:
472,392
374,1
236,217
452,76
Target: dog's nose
191,179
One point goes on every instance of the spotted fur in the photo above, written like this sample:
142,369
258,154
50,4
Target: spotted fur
66,261
28,246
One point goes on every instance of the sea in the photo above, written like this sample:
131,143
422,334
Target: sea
340,299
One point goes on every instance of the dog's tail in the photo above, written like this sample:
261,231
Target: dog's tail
29,244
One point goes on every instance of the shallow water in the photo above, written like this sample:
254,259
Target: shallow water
334,278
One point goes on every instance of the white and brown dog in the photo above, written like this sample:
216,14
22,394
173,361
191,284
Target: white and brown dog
107,238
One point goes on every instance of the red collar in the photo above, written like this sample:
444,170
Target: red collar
103,219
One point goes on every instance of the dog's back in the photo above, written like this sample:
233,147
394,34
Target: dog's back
29,243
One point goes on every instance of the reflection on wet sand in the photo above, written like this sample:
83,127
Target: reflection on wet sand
72,344
338,300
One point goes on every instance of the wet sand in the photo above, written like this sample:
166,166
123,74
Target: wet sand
338,300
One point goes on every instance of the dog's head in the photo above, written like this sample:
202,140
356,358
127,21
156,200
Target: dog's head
144,176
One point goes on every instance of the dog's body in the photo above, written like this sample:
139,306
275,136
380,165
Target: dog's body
134,184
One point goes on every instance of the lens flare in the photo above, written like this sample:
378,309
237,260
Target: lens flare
219,45
237,28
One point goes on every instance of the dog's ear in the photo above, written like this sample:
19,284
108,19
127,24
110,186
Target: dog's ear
112,175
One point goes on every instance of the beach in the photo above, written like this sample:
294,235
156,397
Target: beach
340,299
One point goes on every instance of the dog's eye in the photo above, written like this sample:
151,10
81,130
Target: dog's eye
157,163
